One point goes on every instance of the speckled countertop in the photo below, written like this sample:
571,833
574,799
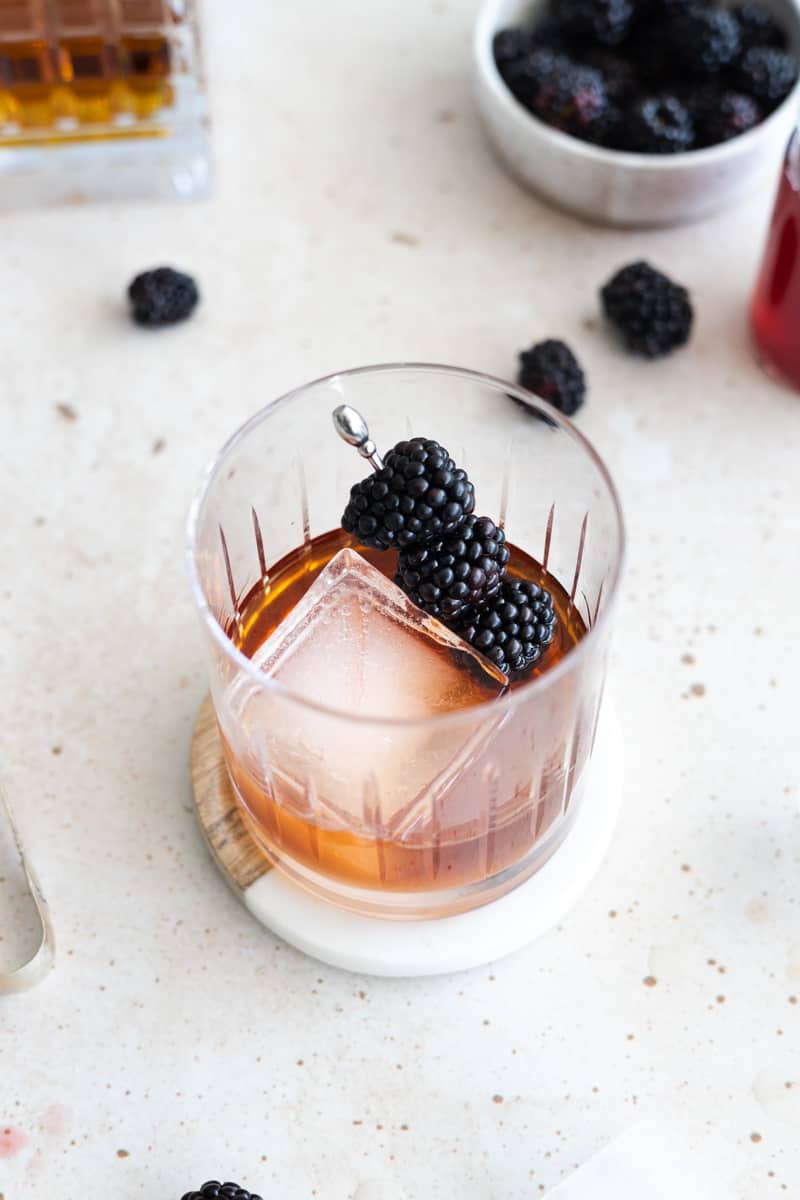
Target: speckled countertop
359,216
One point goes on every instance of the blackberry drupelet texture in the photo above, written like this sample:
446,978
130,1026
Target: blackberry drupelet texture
701,41
720,115
550,370
758,27
514,629
655,10
419,496
562,93
658,125
213,1190
653,314
766,74
462,571
603,21
619,73
162,297
510,45
636,75
524,76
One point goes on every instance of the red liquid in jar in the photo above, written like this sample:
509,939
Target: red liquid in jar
775,308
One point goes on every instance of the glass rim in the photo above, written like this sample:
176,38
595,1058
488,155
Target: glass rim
513,696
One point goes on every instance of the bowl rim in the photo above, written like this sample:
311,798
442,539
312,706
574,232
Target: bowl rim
487,25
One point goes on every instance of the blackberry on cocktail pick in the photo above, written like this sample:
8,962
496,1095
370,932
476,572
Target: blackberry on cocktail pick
214,1190
417,495
462,571
514,628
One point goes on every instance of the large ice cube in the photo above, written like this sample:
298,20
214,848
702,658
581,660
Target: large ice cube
356,644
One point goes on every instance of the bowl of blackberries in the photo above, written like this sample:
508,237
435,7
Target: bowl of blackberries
639,112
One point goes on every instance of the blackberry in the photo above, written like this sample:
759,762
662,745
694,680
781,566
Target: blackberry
656,10
513,630
653,314
603,21
510,45
549,35
758,27
701,41
721,115
618,71
614,131
648,49
213,1190
418,496
463,570
766,74
561,93
162,297
658,125
525,76
550,370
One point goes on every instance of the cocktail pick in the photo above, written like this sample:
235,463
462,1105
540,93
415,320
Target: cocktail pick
35,969
352,428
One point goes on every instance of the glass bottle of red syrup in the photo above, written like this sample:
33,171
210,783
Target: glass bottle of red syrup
775,307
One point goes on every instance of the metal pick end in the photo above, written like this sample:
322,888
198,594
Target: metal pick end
352,428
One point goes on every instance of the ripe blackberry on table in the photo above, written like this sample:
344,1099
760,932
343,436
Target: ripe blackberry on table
515,628
658,125
758,26
720,114
162,297
653,314
417,497
701,41
561,93
766,74
463,570
214,1190
603,21
550,370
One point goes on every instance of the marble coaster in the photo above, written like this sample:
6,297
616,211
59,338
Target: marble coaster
372,946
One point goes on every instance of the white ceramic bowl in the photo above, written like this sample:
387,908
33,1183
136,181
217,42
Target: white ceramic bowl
612,186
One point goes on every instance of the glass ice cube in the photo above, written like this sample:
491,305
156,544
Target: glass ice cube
357,645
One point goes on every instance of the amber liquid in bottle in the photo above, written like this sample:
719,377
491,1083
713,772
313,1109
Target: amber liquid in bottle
78,68
471,851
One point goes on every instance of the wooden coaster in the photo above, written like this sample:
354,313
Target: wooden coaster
371,946
235,852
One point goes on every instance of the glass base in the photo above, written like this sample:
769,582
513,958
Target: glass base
169,168
417,904
406,949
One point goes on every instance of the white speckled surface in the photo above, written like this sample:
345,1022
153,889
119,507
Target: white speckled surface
359,216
